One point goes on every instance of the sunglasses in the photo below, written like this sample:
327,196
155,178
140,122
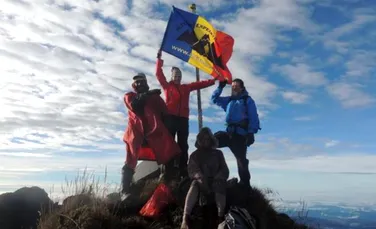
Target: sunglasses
140,83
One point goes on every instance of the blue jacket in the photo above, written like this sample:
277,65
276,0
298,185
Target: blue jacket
236,111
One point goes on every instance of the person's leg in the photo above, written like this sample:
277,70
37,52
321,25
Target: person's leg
220,200
219,188
223,139
171,124
190,201
183,133
128,170
239,148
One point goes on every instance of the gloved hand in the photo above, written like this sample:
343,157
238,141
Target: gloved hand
138,103
155,91
222,84
250,139
159,54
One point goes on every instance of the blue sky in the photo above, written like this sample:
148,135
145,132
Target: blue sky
65,66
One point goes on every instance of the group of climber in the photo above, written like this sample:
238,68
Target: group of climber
154,123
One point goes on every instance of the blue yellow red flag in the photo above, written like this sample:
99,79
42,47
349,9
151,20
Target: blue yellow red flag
193,39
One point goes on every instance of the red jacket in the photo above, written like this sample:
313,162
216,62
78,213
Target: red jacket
150,127
177,96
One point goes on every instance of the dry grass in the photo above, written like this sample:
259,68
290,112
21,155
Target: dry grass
84,197
88,205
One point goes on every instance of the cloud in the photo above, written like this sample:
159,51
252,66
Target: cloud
348,163
217,117
331,143
304,118
358,21
335,38
295,97
350,95
361,64
258,39
301,74
20,154
65,73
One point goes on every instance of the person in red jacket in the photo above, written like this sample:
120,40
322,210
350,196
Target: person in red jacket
146,130
177,101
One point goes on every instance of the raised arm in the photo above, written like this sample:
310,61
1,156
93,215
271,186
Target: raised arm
218,100
201,84
159,73
253,125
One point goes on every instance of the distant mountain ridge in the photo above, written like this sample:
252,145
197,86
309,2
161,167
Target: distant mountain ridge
337,217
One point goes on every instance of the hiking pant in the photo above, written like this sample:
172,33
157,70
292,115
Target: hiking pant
193,195
238,146
180,126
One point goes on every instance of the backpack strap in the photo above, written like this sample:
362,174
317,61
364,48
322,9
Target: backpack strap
245,98
243,214
250,220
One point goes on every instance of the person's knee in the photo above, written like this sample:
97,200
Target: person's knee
195,184
222,138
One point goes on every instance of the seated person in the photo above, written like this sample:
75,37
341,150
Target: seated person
146,130
208,170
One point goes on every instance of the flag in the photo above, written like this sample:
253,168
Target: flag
193,39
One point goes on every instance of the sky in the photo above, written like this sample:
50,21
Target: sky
65,66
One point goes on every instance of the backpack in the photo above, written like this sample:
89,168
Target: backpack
244,124
238,218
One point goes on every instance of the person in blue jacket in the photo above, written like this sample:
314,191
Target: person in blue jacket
242,124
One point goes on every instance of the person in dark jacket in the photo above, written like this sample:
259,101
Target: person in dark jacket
177,101
209,172
242,122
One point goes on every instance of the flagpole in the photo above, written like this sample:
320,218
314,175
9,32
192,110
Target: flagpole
192,7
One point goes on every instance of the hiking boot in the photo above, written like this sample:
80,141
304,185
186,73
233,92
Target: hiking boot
126,179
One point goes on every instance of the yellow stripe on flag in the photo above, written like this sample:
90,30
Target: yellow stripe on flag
202,28
201,62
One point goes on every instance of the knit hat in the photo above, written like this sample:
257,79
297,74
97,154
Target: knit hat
204,135
139,76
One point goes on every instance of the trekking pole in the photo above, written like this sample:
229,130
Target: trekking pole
192,7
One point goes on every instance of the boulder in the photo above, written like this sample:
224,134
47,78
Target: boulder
22,208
